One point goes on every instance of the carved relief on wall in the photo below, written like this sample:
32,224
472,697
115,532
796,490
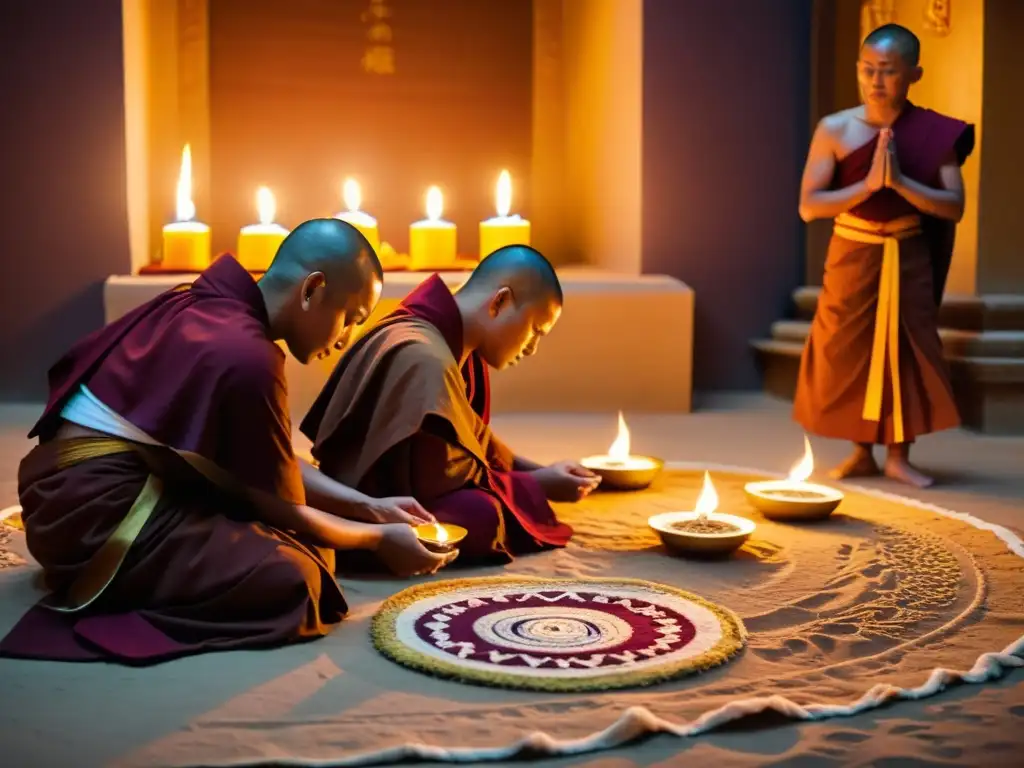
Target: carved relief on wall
875,13
936,17
379,56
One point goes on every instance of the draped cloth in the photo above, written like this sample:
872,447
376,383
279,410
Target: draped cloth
873,369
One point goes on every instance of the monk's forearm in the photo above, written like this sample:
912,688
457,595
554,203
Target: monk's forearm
325,529
827,204
940,203
522,464
328,494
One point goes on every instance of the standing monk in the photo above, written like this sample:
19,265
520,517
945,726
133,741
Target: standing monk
164,501
406,411
888,172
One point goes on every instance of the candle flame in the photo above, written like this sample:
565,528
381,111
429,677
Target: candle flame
707,502
440,533
619,450
352,194
503,194
803,468
186,209
266,205
435,203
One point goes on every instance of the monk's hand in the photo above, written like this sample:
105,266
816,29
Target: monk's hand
398,509
566,481
403,553
876,177
893,176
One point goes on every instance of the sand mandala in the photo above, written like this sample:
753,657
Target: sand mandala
551,635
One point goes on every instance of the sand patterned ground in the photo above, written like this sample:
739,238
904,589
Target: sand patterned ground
881,593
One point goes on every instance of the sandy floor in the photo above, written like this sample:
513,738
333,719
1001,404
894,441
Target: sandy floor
94,715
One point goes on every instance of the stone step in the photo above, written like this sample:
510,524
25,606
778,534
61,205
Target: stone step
989,312
989,390
956,343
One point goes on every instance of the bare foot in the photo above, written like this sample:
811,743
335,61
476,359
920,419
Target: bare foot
898,468
860,464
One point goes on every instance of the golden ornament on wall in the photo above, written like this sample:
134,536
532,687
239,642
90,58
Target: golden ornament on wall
874,14
936,17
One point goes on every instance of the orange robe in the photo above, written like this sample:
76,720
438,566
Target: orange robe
877,315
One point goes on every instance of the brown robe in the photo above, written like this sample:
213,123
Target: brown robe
149,559
400,417
833,382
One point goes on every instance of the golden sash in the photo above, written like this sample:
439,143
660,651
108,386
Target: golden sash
887,314
101,569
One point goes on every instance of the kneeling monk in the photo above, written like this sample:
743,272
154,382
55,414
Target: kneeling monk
406,410
164,501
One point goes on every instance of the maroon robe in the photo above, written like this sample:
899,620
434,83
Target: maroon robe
504,510
833,378
196,370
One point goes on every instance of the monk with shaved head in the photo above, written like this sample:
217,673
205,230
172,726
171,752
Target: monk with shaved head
164,501
888,173
407,409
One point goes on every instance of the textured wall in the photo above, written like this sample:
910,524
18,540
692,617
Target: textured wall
726,89
63,219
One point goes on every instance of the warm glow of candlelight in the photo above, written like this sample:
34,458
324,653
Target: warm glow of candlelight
440,533
503,194
619,450
435,204
803,468
352,194
707,502
266,205
185,208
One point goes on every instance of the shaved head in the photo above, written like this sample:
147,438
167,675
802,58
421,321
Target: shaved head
331,246
901,39
521,268
511,301
324,280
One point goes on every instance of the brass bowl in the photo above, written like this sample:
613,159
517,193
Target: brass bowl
427,534
706,544
786,501
624,478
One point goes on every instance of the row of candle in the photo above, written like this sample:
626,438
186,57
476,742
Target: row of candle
432,241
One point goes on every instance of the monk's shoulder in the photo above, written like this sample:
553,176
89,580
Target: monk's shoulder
241,355
837,125
419,346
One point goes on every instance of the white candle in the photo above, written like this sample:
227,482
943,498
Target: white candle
352,194
186,243
258,243
432,241
503,229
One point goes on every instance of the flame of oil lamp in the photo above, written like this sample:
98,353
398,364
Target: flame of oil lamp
707,502
440,533
794,497
619,469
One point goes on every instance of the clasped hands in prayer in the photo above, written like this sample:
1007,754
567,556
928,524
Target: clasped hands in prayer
885,166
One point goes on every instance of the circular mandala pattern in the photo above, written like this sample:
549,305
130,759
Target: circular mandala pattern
555,635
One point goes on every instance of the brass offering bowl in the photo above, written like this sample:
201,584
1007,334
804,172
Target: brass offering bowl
634,473
792,500
694,543
428,534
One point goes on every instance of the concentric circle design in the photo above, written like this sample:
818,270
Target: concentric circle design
556,635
